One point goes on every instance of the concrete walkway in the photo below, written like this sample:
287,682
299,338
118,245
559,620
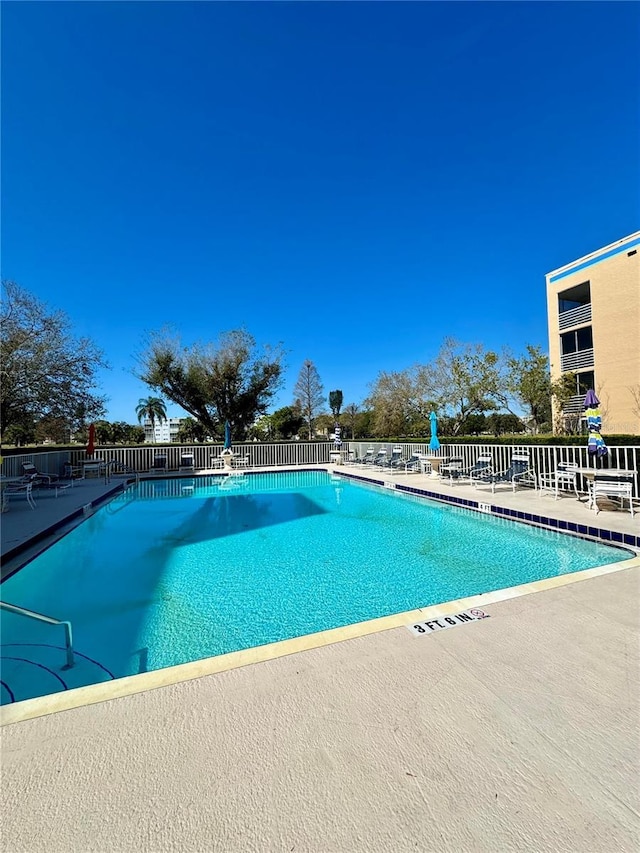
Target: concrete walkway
518,732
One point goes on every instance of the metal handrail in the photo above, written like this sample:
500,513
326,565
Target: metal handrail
40,617
122,469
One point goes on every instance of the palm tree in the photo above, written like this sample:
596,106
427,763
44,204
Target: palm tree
152,409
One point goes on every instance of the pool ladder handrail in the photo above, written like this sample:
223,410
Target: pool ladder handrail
51,620
122,469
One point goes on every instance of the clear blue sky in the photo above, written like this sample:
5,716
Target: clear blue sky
356,180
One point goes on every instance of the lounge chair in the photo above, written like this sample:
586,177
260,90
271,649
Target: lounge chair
481,469
519,473
380,460
413,465
37,478
564,478
611,486
368,457
395,458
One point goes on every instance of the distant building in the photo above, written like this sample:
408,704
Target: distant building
162,431
593,310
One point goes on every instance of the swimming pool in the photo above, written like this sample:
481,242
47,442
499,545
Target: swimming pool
178,570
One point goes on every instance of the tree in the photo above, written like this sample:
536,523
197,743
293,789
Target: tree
286,422
468,380
529,380
634,390
562,390
44,370
324,425
351,412
214,383
152,409
308,393
400,403
499,424
476,424
335,403
191,431
104,432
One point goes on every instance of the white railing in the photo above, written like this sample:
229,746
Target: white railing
544,458
139,459
574,317
577,360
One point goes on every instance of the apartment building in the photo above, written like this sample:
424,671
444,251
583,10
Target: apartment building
593,310
161,431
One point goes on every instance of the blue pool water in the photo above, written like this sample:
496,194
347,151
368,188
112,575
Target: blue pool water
185,569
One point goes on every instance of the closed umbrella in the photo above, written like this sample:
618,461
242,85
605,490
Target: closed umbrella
227,435
337,440
434,444
596,445
91,444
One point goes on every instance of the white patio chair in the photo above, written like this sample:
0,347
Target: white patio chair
611,486
18,490
563,479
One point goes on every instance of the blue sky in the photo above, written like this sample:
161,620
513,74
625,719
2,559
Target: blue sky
354,180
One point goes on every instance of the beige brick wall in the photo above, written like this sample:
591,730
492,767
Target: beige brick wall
615,312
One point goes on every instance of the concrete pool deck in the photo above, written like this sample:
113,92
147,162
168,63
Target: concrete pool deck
518,732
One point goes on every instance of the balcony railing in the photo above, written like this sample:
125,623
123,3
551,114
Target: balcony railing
575,317
577,360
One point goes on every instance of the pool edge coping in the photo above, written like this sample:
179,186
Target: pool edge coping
130,685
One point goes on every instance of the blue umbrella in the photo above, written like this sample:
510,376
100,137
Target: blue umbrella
227,435
434,444
596,445
337,441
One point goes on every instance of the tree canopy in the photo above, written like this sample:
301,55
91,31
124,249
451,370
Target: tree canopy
529,380
335,402
46,372
151,408
215,382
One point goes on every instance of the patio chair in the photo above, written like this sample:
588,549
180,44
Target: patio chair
368,457
564,478
395,458
187,462
415,464
452,468
18,490
242,461
380,459
519,473
611,486
159,463
37,478
480,472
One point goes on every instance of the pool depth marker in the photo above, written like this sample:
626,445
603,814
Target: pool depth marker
444,622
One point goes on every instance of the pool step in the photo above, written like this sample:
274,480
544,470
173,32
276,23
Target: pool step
38,669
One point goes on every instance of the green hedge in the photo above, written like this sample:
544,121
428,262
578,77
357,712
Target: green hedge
529,440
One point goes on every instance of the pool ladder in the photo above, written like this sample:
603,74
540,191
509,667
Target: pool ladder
50,620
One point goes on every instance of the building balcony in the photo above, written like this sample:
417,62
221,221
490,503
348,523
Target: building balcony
575,317
579,360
